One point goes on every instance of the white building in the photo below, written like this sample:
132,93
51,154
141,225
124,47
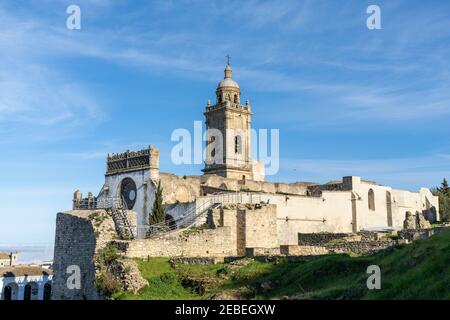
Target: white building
8,259
25,282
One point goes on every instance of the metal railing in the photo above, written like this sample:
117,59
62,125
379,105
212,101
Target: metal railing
117,207
193,215
187,220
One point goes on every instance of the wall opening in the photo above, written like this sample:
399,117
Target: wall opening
47,291
238,144
389,208
371,198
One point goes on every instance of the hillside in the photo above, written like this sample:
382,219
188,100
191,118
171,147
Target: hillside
420,270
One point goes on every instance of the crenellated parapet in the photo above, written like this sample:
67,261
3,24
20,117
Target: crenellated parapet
132,160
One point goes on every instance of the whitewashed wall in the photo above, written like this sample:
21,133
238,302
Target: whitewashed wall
18,284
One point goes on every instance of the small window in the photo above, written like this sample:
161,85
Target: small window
213,152
235,98
238,144
371,198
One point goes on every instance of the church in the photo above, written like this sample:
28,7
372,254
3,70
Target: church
229,211
231,176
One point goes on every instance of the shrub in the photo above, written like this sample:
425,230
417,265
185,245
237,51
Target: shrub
107,284
108,254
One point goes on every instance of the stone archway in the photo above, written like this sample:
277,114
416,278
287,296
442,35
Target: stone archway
11,292
31,291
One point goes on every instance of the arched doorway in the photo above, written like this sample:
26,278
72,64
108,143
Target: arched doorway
31,291
11,292
47,291
7,293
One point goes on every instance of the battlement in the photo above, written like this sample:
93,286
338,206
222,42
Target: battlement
132,160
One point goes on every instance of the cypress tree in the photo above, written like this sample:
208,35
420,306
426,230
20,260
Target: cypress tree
445,189
158,212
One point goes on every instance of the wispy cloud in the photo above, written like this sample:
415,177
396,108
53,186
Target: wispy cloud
33,93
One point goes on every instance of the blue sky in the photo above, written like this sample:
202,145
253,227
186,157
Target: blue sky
347,100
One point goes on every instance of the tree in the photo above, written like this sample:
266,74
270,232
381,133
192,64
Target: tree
443,193
444,189
158,212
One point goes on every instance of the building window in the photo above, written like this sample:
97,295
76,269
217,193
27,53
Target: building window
7,293
238,144
27,292
371,197
235,98
213,153
47,291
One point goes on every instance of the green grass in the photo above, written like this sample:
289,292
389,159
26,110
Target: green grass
420,270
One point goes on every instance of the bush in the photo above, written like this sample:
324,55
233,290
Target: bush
169,278
107,284
108,254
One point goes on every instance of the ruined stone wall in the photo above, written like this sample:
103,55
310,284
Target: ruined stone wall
261,227
361,247
293,250
188,243
214,183
79,235
318,239
412,235
230,230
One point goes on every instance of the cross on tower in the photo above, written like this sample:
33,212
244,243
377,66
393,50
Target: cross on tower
228,59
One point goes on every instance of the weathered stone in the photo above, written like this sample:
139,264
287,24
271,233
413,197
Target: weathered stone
410,221
127,272
422,223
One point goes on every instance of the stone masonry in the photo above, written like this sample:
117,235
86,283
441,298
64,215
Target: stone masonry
80,234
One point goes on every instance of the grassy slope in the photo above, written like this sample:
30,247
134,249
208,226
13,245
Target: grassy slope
417,271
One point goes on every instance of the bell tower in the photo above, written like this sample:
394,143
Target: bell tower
228,126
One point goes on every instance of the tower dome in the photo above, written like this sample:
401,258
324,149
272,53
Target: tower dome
227,80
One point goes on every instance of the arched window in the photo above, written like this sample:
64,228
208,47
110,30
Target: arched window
371,198
238,144
47,291
11,292
235,98
31,291
27,292
7,293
